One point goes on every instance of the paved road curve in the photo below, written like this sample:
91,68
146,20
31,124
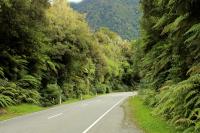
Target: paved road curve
102,114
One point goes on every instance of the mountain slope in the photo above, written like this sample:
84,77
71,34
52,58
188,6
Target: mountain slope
121,16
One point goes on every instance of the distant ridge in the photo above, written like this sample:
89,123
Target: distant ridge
121,16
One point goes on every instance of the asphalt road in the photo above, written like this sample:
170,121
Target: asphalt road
102,114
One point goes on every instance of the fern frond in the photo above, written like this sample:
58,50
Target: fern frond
5,101
29,81
161,22
189,130
197,104
183,121
197,126
193,33
1,72
194,70
52,66
190,102
174,26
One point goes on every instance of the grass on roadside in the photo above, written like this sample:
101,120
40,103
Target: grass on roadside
85,97
14,111
18,110
141,115
72,100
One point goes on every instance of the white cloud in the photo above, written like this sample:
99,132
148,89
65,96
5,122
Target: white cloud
75,1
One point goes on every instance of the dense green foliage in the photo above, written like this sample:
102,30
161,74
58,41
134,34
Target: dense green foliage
48,52
170,60
121,16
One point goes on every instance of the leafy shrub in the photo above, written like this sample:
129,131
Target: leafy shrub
17,94
29,81
179,103
5,101
51,95
68,90
101,88
149,96
29,96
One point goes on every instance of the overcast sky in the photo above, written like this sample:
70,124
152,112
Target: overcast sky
76,1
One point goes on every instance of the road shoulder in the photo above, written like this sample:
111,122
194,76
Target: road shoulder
116,122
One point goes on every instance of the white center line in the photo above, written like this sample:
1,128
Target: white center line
90,102
93,124
54,116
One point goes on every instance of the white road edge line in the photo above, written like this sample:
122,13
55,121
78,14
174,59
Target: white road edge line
86,130
54,116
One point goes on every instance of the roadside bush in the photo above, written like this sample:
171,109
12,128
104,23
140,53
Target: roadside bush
68,90
101,88
29,81
16,95
5,101
180,104
51,95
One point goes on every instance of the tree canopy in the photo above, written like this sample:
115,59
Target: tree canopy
48,51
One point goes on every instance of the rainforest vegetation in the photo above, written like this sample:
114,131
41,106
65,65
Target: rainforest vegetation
169,66
48,52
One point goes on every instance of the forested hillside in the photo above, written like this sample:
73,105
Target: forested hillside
121,16
48,51
169,66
